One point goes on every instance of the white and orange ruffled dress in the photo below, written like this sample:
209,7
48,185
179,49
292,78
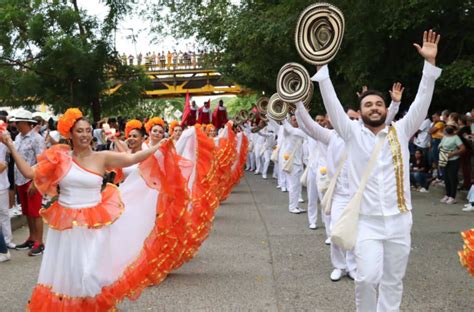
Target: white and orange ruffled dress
105,245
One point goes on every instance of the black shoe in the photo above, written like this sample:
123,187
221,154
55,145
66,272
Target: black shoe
26,245
37,250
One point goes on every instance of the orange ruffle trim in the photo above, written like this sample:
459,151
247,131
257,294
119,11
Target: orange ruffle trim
53,164
105,213
162,251
466,256
183,222
226,156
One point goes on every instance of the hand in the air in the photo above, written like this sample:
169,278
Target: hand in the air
364,88
429,50
396,92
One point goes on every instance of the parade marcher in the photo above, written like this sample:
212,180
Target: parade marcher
282,182
259,142
5,222
85,266
250,165
266,149
383,240
4,252
293,162
155,128
190,113
175,130
204,113
29,145
219,116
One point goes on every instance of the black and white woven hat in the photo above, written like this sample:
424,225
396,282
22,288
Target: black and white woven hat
294,83
319,33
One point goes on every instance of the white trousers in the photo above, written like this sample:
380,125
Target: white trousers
5,222
266,161
275,170
340,259
294,186
251,161
258,158
382,251
282,176
312,190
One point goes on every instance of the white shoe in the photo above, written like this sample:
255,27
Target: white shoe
351,275
328,241
468,209
283,189
336,275
11,245
451,201
301,210
256,173
301,200
467,205
5,256
264,177
444,199
313,226
295,211
278,187
423,190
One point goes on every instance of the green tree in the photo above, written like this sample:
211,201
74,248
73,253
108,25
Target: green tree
52,52
255,38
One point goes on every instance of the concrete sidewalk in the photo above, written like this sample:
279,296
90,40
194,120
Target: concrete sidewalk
259,257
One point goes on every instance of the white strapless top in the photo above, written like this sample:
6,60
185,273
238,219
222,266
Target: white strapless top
127,170
80,188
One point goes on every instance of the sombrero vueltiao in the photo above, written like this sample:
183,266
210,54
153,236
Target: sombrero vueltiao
293,83
319,33
277,109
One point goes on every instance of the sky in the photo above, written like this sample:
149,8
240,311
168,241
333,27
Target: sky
137,26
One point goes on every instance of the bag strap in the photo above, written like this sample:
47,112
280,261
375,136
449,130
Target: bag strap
371,164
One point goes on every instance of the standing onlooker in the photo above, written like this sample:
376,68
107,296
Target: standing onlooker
464,134
29,145
451,147
5,222
4,253
419,172
423,138
436,131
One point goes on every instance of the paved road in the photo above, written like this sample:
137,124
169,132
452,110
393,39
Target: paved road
261,258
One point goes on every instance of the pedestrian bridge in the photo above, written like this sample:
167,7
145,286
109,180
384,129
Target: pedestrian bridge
177,81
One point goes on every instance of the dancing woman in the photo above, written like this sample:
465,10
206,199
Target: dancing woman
155,128
104,245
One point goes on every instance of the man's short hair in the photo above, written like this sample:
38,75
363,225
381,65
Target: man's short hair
372,92
3,113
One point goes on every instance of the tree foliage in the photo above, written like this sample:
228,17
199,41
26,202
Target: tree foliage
256,37
52,52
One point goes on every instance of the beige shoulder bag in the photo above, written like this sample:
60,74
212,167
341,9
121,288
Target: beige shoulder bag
344,233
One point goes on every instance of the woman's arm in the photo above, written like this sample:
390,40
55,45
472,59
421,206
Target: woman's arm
121,160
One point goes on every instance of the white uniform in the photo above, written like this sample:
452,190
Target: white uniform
267,148
293,145
250,164
383,238
258,144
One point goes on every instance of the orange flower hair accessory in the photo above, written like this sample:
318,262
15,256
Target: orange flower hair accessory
131,125
172,125
210,127
67,121
153,122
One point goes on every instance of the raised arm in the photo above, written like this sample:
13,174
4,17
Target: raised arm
121,160
311,127
340,121
290,130
419,108
396,95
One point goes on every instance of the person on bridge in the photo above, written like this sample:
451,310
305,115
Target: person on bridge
219,116
204,113
383,239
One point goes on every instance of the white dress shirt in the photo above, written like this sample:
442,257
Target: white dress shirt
380,195
294,138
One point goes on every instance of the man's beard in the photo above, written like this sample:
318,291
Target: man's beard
374,123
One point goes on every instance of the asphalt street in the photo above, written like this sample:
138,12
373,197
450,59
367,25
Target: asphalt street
259,257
